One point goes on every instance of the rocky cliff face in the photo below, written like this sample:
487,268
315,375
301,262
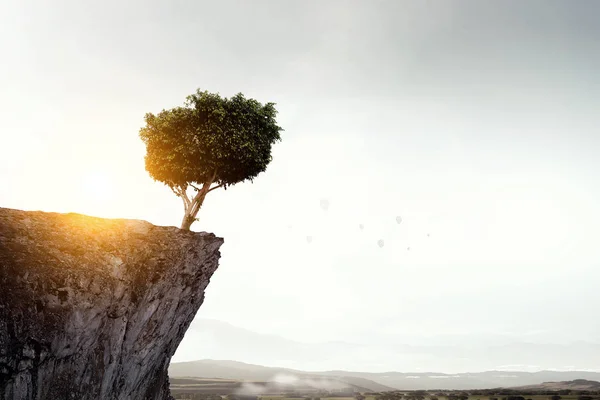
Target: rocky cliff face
94,308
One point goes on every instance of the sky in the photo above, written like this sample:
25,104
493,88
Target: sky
475,121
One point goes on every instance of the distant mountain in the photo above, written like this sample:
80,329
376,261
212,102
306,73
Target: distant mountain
255,373
577,384
211,339
465,381
379,381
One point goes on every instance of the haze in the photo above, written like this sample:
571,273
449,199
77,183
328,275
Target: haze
475,121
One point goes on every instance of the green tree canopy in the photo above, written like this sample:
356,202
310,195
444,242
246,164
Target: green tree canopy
211,142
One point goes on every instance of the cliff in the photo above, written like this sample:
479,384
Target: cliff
95,308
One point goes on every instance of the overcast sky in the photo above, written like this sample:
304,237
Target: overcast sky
475,121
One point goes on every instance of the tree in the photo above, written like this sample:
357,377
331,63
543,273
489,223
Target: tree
212,142
417,395
394,395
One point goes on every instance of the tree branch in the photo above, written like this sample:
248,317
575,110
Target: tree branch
216,187
185,205
205,183
181,192
197,203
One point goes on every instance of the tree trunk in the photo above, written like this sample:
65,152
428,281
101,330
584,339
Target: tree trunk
187,221
192,207
191,212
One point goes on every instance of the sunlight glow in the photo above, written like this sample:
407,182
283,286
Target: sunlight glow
97,193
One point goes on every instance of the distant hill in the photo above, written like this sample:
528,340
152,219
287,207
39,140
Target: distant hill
476,380
368,381
577,384
212,369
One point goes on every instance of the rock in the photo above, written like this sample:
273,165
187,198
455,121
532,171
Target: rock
95,308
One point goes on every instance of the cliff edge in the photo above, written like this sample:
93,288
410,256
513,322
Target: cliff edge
94,308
